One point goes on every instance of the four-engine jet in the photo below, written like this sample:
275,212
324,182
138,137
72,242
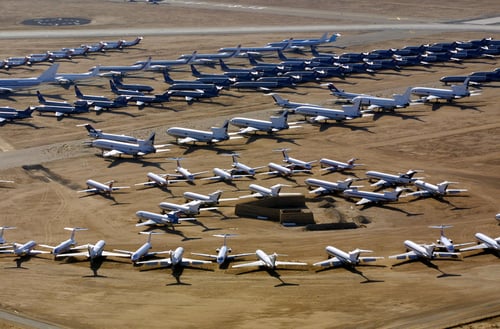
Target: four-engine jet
268,261
223,253
339,257
12,84
186,135
97,187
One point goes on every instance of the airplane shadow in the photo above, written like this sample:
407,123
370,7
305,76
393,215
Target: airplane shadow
119,160
163,188
118,113
252,138
354,270
205,228
218,150
385,206
484,252
20,260
78,119
379,114
29,124
169,230
327,125
273,273
462,106
429,264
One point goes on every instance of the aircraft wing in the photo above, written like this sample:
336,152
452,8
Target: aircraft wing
188,261
410,255
369,259
112,153
74,254
455,191
319,118
241,255
447,255
187,140
124,251
148,223
38,252
204,255
476,247
248,130
164,262
364,201
116,188
278,263
319,190
380,183
89,190
334,261
256,263
59,114
114,254
418,194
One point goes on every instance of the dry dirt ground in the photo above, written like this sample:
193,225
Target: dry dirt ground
48,162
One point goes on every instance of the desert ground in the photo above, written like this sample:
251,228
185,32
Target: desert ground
49,162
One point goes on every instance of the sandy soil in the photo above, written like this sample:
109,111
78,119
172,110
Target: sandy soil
49,163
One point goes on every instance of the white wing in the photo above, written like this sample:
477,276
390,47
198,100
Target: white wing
256,263
112,153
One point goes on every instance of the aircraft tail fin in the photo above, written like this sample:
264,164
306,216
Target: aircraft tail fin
279,100
215,196
333,37
220,133
41,99
275,189
353,110
195,71
223,66
334,89
167,77
78,93
192,58
50,74
150,141
113,87
404,99
442,187
463,89
314,51
252,60
236,51
282,56
280,122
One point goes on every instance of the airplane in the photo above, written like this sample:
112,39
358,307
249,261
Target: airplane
238,167
10,114
97,187
279,170
216,79
175,260
268,261
131,43
387,180
67,245
207,200
424,251
2,239
184,173
254,50
71,78
446,243
143,251
257,85
43,101
373,197
12,84
26,249
143,100
253,125
139,87
431,190
142,147
186,135
333,165
485,242
191,85
191,95
223,253
101,102
15,61
224,175
158,180
97,133
190,208
93,251
60,111
300,43
164,64
457,91
264,192
381,103
497,217
326,187
122,69
340,93
292,162
347,112
219,55
285,103
89,98
147,218
124,92
339,257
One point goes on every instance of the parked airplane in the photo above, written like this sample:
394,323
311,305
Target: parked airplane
219,55
11,84
26,249
300,43
147,218
326,187
165,64
186,135
386,180
143,251
190,208
97,133
144,100
117,148
485,242
436,191
139,87
10,114
223,253
348,112
93,251
373,197
425,251
279,170
158,180
60,111
381,103
293,162
285,103
428,94
67,245
216,79
238,167
122,69
264,192
224,175
339,257
124,92
340,93
175,260
131,43
71,78
184,173
97,187
253,125
89,98
268,261
2,239
446,243
333,165
207,200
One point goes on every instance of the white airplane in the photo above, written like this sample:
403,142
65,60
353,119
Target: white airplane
279,170
268,261
307,165
12,84
387,180
485,242
238,167
326,187
2,239
334,165
381,103
158,180
285,103
116,148
93,251
247,125
97,187
143,251
122,69
339,257
176,259
26,249
186,135
3,181
373,197
340,93
223,251
69,78
67,245
431,190
183,172
224,175
425,251
211,199
497,217
428,94
97,133
147,218
347,112
190,208
264,192
446,243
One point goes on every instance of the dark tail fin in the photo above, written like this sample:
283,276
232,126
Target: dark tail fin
41,99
